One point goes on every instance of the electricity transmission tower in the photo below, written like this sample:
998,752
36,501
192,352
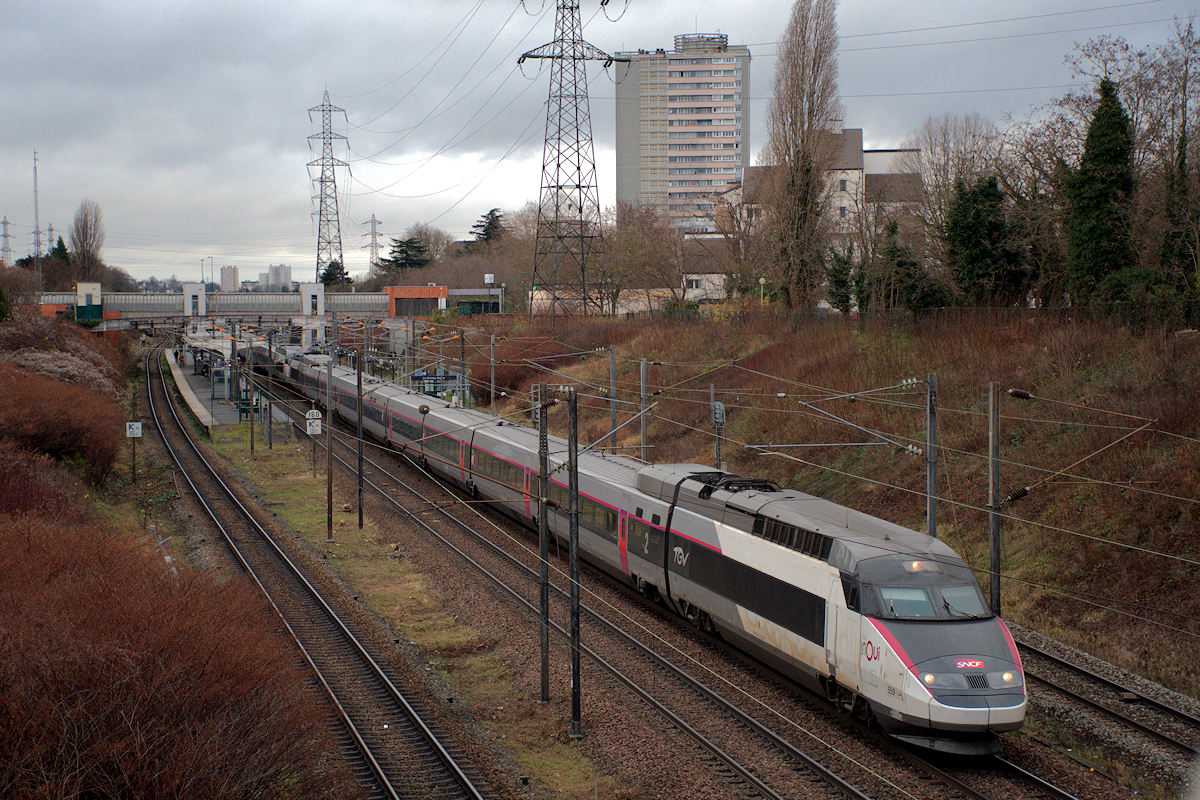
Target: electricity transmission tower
6,249
373,245
329,228
568,242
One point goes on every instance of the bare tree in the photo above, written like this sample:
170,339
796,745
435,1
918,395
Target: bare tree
744,250
644,251
947,149
801,119
436,240
87,237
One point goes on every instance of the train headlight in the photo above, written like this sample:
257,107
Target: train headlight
1004,680
943,680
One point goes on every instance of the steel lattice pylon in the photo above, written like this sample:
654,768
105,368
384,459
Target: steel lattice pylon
329,228
568,240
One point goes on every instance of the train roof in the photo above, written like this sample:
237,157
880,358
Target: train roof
738,501
854,536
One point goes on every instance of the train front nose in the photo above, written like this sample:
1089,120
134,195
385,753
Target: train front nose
973,692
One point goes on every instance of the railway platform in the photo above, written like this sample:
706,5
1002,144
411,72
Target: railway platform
210,408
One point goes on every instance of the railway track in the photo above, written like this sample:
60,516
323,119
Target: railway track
947,782
1126,705
398,754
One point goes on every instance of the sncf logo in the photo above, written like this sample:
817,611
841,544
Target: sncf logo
968,663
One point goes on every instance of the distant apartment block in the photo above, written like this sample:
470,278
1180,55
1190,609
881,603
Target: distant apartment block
229,279
683,130
277,278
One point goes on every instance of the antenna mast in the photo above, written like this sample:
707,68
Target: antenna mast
37,232
6,249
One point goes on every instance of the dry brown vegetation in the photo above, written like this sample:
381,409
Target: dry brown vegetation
121,675
1108,589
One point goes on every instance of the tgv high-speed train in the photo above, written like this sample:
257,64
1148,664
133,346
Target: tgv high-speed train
886,622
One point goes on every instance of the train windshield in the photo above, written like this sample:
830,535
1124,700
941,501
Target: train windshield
904,588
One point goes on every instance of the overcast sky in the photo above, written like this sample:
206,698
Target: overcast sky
187,120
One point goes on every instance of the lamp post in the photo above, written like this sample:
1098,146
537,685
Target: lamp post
761,283
503,286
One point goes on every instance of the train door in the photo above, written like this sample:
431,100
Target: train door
525,486
622,541
842,638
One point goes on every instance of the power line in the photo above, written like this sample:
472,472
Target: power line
420,80
980,22
462,22
1121,25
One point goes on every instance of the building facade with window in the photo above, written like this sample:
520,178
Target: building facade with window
682,126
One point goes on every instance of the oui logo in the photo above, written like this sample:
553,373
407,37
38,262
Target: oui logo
871,651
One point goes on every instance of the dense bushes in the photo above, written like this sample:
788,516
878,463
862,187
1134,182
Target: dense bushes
119,675
120,678
514,373
62,420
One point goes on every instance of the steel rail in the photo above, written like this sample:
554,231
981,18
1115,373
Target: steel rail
1179,714
385,784
1036,780
1125,719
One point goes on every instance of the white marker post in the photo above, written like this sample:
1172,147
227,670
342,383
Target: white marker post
133,432
312,426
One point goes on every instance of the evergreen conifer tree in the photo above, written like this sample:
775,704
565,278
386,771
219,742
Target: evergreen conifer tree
916,290
982,260
1101,191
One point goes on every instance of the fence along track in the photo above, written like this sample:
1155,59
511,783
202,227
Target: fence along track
397,748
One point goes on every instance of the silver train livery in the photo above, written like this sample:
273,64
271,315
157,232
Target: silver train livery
887,623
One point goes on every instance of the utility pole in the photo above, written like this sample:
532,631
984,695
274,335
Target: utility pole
250,403
568,237
329,230
994,490
931,455
718,420
462,366
373,245
358,359
329,432
573,479
612,398
492,361
37,231
544,536
642,409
